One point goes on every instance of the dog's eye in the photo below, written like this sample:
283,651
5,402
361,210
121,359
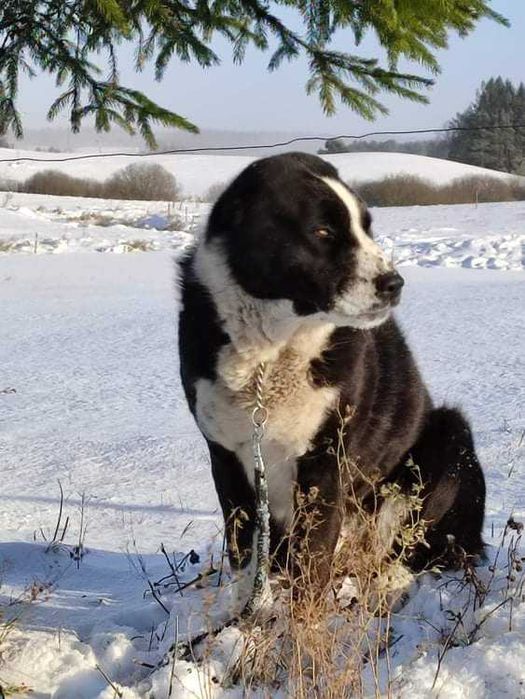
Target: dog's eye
323,232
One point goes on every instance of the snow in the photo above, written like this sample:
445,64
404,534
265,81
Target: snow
196,173
487,235
36,223
90,397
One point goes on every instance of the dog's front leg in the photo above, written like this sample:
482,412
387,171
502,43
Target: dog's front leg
317,523
237,500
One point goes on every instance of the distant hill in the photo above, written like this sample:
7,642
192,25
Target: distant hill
198,172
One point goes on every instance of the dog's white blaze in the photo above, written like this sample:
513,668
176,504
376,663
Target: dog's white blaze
368,246
262,331
371,262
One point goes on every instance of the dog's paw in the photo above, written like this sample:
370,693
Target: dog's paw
383,593
349,593
242,594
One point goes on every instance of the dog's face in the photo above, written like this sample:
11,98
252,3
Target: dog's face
291,229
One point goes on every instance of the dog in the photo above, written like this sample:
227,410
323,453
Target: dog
287,280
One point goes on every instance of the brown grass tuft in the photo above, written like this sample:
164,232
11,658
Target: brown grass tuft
316,642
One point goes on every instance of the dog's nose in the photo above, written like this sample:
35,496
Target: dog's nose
389,286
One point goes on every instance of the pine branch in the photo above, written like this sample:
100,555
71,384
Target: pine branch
67,39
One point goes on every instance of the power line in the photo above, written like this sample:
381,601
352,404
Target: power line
259,146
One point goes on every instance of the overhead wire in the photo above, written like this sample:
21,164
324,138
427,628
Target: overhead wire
260,146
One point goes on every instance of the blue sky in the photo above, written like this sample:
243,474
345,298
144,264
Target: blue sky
248,98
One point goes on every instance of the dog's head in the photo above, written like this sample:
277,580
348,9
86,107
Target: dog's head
291,229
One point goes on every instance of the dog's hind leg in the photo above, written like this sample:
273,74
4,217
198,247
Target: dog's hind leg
453,491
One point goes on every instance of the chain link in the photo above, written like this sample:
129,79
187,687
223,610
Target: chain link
260,412
262,552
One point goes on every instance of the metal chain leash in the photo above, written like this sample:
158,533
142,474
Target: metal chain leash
260,413
262,509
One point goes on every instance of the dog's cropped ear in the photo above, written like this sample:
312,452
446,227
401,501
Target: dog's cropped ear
258,185
229,211
366,218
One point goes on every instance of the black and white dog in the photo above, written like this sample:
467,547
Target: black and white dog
287,273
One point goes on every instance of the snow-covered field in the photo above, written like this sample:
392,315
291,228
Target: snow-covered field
488,235
89,344
90,397
196,173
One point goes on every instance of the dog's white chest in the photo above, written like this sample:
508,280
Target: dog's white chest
296,411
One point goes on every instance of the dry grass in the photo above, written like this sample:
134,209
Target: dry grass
315,640
320,643
10,616
6,245
94,218
139,245
172,221
214,192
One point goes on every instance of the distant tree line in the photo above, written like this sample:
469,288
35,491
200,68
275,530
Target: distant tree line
498,103
434,147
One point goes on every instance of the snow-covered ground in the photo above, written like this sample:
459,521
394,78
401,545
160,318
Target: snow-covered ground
488,235
196,173
90,398
88,342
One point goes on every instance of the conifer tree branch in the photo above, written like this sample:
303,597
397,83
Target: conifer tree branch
69,38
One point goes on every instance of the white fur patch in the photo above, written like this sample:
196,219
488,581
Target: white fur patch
251,323
388,590
392,515
355,306
243,585
270,332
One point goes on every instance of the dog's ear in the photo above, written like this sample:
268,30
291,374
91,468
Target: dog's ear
229,211
313,164
366,220
258,186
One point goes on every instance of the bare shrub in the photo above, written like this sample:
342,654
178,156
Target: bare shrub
482,189
517,187
142,181
48,149
136,181
7,185
399,190
407,190
214,192
58,183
